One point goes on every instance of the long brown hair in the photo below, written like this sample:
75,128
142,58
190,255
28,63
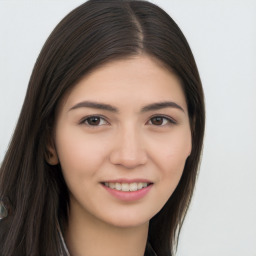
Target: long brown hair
96,32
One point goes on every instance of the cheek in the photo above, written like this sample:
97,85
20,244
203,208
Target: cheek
172,159
175,150
77,153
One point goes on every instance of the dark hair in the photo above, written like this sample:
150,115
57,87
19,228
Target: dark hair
96,32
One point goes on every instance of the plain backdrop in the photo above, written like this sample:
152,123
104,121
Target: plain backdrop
222,34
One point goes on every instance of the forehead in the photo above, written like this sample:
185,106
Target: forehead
139,79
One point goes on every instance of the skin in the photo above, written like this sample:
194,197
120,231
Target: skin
124,142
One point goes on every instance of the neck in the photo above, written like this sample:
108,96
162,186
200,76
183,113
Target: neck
90,236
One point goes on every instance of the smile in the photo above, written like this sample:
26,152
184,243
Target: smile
126,187
127,190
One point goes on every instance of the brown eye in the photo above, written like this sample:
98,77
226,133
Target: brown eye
95,121
157,120
160,121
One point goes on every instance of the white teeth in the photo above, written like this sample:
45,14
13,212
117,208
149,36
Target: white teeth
144,184
112,185
126,186
118,186
140,186
133,187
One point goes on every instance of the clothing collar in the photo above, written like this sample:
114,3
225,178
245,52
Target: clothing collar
63,247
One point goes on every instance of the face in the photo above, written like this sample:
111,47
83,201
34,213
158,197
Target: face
122,137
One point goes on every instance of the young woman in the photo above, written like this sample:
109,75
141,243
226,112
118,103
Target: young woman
106,150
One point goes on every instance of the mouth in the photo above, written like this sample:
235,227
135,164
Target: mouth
128,190
127,187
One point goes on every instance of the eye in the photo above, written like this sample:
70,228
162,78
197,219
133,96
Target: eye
94,121
161,121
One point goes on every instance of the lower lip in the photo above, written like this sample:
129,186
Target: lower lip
129,196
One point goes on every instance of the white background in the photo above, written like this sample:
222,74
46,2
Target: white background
222,35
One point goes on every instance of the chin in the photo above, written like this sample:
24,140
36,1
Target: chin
129,223
128,220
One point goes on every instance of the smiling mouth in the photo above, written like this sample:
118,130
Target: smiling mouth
126,187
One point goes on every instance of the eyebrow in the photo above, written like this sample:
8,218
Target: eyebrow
103,106
161,105
95,105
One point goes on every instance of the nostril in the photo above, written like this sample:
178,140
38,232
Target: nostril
128,162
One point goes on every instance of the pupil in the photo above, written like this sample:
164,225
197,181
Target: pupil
157,120
94,120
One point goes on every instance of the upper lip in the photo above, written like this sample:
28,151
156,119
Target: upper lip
128,181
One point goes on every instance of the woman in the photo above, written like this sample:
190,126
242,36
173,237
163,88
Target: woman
105,154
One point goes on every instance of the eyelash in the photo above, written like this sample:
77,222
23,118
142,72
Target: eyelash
85,120
168,120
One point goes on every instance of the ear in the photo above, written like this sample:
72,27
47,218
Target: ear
51,156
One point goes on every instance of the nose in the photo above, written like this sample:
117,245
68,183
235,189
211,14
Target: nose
128,149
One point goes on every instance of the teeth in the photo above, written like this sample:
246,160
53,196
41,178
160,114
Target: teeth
133,187
112,185
118,186
126,186
140,185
